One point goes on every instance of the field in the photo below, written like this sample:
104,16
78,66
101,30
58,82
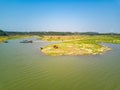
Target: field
78,45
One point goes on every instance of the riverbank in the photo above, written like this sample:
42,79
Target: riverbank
4,38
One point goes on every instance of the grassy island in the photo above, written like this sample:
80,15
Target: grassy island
74,49
78,45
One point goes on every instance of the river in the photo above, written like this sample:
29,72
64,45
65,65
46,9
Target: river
24,67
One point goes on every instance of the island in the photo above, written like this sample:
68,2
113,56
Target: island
78,44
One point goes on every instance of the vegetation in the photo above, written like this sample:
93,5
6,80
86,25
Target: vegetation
2,33
4,38
79,44
84,38
19,36
60,33
74,49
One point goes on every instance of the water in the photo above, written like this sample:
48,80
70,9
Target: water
24,67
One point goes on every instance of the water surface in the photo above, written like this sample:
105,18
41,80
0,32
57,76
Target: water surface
24,67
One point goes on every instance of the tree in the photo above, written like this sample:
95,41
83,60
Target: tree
2,33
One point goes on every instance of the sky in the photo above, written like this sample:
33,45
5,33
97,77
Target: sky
60,15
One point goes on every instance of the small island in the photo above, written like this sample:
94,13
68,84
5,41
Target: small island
74,49
78,44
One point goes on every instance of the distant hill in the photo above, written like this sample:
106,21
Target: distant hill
90,33
2,33
52,33
59,33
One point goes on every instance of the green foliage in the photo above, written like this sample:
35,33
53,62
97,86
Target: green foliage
2,33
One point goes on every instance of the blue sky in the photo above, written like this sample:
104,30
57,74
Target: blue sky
60,15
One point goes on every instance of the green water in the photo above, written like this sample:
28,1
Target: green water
24,67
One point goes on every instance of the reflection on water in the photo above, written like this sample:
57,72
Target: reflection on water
24,67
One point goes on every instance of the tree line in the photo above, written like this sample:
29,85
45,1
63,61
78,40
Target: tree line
7,33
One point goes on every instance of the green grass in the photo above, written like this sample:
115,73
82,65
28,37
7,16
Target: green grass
74,49
3,38
84,38
79,45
